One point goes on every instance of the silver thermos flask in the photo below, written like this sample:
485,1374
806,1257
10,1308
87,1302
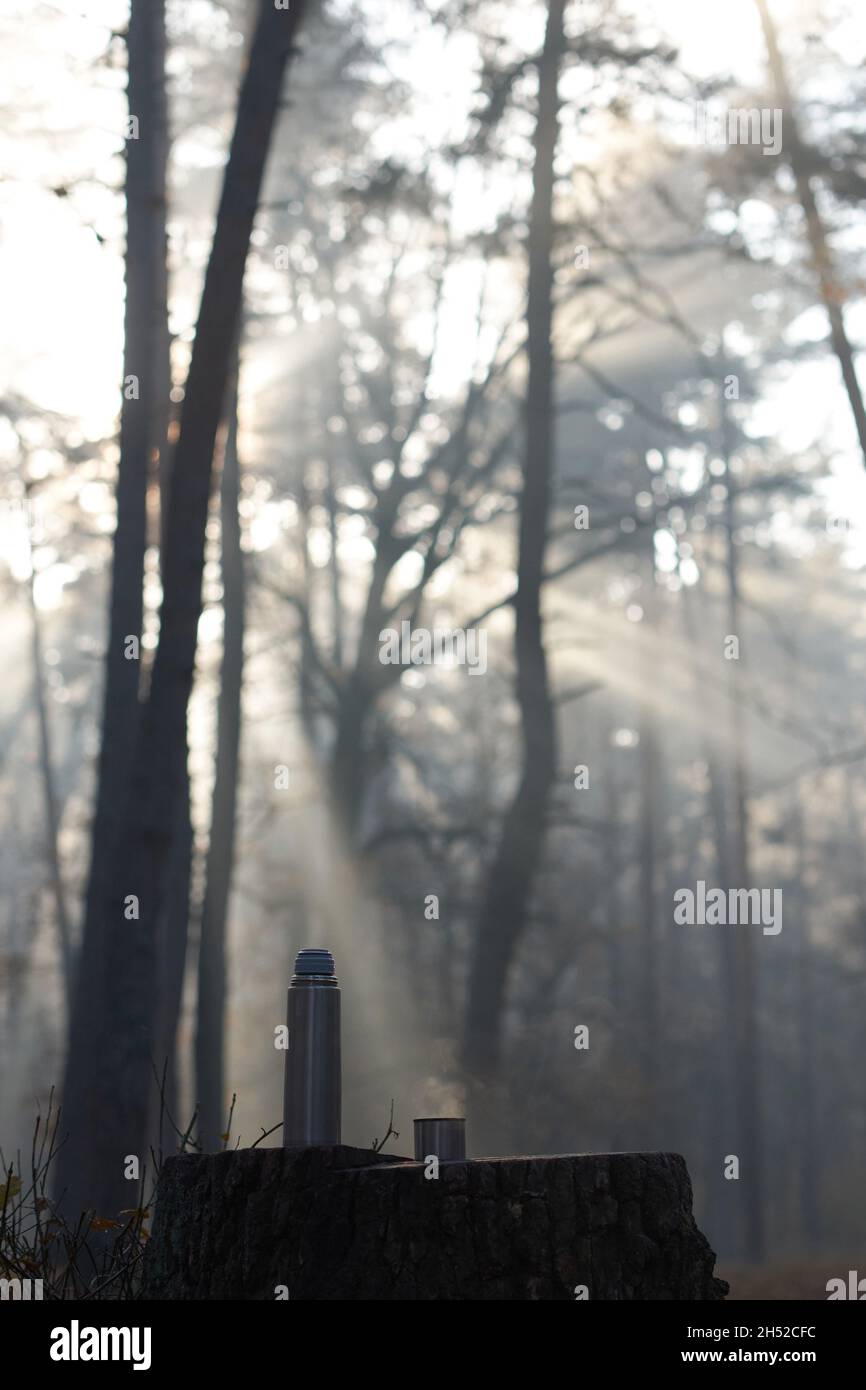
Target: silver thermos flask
312,1096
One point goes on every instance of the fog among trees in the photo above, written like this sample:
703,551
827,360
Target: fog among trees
432,497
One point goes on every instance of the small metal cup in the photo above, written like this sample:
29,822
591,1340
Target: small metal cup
444,1139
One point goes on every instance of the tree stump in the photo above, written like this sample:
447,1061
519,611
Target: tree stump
343,1223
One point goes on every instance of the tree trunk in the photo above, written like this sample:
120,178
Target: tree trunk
212,964
650,974
649,854
116,1103
516,861
145,363
745,1017
822,255
718,1098
808,1149
306,673
347,771
809,1155
334,567
613,871
173,936
49,796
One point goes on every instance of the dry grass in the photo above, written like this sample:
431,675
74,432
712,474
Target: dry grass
92,1256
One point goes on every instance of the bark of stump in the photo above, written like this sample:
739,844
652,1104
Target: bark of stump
342,1223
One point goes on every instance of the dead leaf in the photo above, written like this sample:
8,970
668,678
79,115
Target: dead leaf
104,1223
9,1189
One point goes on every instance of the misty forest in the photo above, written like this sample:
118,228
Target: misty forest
433,528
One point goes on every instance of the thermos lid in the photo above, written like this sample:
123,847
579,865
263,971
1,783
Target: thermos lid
314,961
